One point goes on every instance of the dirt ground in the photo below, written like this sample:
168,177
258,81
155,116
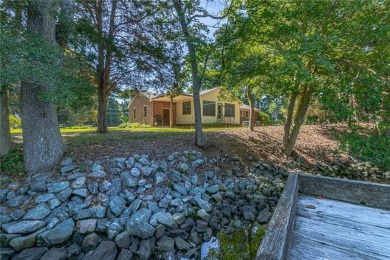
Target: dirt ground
315,143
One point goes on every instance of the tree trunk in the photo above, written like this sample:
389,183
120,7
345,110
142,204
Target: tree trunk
301,112
171,112
42,142
252,108
195,73
5,134
102,126
290,113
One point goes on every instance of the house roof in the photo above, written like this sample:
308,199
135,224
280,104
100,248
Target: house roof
146,94
166,98
247,107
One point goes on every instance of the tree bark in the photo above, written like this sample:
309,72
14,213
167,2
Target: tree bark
103,69
199,141
5,134
42,141
252,108
301,112
290,113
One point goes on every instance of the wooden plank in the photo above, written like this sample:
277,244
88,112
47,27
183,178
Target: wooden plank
343,237
343,213
359,192
306,248
277,240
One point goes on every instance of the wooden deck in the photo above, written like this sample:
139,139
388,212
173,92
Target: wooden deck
326,218
331,229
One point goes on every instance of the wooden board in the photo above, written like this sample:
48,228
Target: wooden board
330,229
358,192
276,242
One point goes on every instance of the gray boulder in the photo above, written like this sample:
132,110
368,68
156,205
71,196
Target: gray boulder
106,250
55,253
139,226
31,253
23,227
59,234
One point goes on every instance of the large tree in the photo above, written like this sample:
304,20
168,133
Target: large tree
42,141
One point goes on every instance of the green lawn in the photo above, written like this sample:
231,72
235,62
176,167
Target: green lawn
89,129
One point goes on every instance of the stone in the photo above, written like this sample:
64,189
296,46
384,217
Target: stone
38,186
17,214
177,202
139,226
97,174
15,202
201,226
6,253
203,204
166,244
128,180
56,187
264,216
31,253
66,161
84,213
44,197
141,182
78,183
179,218
106,250
159,178
183,167
54,203
117,204
97,167
74,176
53,222
160,229
93,187
64,195
146,170
86,226
135,172
23,227
125,254
159,193
98,211
181,244
69,168
74,249
39,212
5,219
203,215
122,240
105,186
55,253
81,192
145,248
180,188
116,187
212,189
59,234
90,242
165,218
20,243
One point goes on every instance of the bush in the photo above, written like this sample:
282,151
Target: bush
12,163
133,125
366,145
15,122
264,119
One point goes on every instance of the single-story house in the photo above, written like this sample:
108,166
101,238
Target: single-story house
154,110
245,114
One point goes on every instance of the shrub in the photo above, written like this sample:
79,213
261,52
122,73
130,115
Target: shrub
12,163
133,125
264,119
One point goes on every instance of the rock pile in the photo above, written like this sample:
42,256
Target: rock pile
134,207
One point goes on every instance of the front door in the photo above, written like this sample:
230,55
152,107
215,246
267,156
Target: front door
165,121
219,111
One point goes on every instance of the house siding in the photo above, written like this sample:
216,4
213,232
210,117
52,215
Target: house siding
138,103
158,108
210,96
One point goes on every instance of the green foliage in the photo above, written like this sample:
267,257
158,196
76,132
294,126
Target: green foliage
15,122
242,244
134,125
12,163
264,119
367,145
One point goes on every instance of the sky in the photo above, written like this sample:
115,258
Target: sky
214,7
